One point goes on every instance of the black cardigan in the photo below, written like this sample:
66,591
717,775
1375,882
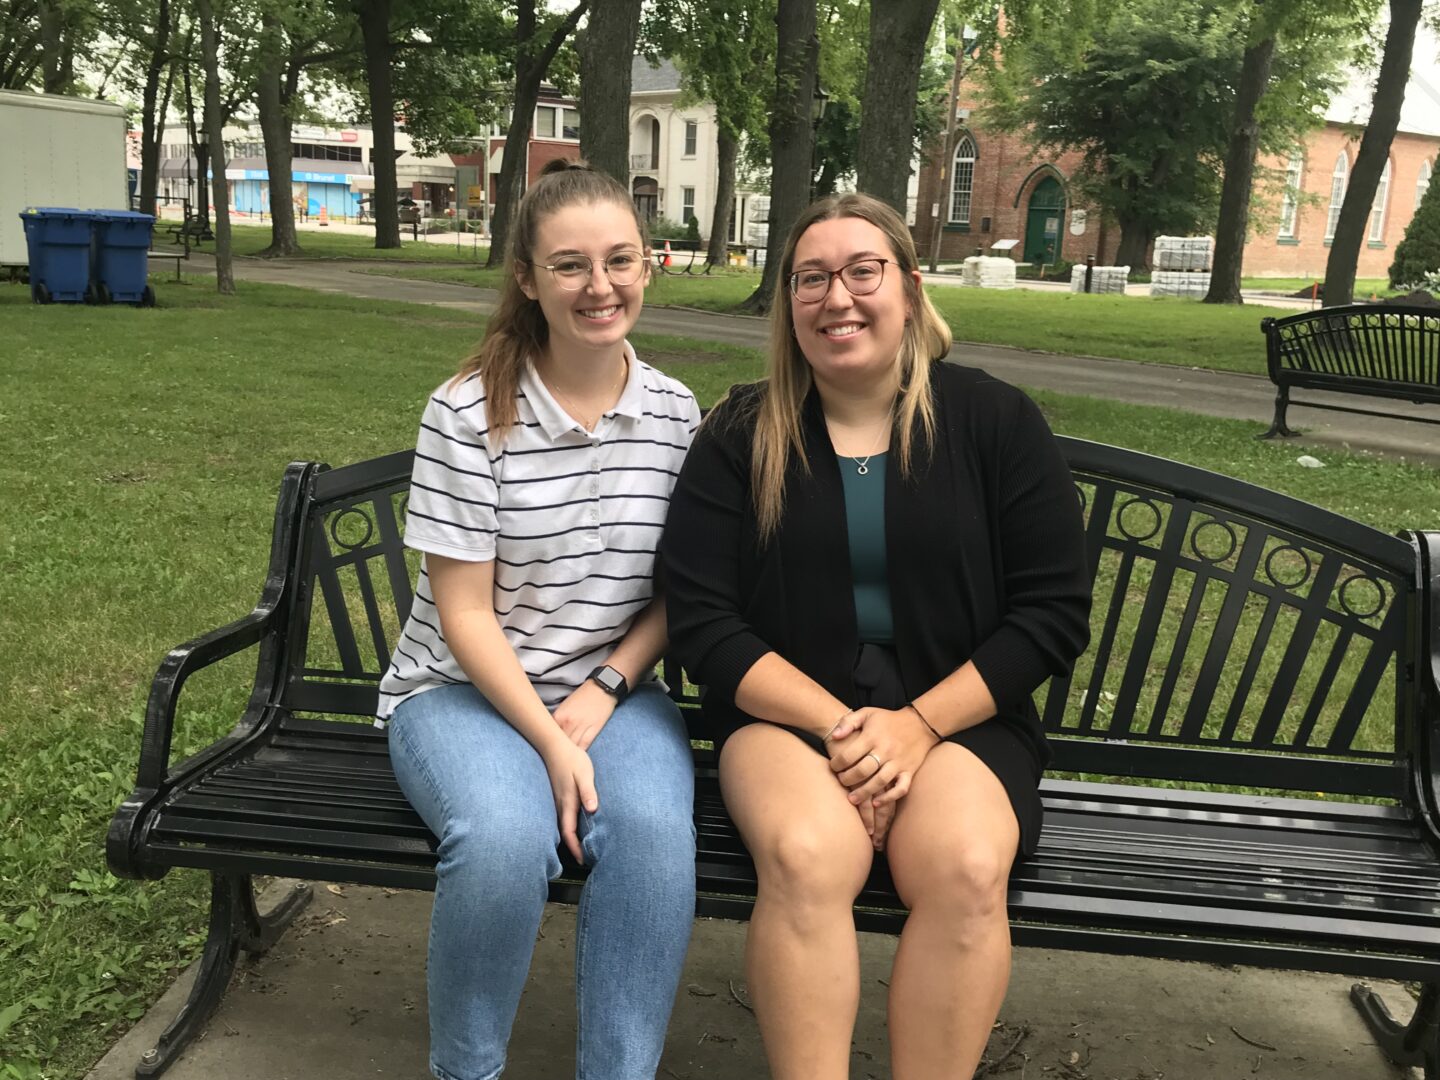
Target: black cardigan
985,546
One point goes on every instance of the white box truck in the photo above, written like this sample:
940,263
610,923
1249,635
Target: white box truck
57,151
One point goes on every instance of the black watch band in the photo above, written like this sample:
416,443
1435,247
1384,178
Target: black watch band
611,681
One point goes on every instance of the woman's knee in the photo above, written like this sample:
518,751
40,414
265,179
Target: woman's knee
968,881
499,847
657,832
811,864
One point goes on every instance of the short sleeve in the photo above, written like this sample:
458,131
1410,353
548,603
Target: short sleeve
454,495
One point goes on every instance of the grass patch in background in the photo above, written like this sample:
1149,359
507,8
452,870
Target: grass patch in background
1158,331
1289,286
140,453
314,244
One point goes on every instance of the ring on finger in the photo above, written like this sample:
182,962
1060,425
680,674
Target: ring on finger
878,763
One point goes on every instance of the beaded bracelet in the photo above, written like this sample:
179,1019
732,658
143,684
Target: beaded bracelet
911,706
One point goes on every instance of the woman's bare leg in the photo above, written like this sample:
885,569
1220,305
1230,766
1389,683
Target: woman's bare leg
950,850
812,856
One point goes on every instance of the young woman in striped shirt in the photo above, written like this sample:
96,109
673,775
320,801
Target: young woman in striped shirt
522,706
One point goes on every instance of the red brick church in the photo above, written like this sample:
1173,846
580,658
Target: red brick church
1000,188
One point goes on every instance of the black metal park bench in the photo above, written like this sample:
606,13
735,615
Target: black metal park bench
1247,757
1375,350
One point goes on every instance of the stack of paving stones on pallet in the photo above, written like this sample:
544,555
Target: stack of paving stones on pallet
1103,279
988,272
1182,266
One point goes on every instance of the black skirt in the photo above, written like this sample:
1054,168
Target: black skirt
1004,751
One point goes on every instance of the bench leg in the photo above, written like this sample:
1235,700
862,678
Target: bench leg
235,924
1278,425
1416,1043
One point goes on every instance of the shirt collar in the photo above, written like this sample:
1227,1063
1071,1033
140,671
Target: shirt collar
553,419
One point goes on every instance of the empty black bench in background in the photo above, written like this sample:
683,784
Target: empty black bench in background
1246,758
1376,350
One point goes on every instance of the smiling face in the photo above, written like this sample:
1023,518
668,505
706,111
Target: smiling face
850,340
594,319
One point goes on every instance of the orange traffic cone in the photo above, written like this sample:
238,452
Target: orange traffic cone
666,260
324,216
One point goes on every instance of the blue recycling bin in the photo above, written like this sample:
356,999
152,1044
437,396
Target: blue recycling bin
122,243
58,240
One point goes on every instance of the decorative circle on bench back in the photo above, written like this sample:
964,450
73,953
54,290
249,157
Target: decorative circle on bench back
1133,530
1231,540
1376,594
1280,578
344,521
1084,499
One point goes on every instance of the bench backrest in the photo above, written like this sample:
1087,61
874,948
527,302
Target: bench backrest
1383,344
1226,618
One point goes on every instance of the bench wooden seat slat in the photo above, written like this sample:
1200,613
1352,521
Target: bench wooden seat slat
1247,754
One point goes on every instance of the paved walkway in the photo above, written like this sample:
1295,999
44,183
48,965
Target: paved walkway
1197,390
342,996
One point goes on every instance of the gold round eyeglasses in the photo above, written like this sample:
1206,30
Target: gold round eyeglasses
572,272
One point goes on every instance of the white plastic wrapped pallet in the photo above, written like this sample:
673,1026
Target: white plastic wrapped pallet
1103,279
1181,283
1184,252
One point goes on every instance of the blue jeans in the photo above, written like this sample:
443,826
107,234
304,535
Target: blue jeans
484,792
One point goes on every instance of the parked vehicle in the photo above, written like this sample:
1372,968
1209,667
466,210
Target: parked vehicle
58,151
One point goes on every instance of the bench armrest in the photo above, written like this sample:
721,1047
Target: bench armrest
154,775
1426,757
177,667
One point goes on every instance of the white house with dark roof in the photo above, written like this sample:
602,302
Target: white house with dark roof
674,169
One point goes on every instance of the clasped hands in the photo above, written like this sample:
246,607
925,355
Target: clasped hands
875,754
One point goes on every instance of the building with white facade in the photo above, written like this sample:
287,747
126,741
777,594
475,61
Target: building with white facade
674,166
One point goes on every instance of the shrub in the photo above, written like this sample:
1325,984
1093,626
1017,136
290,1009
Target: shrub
692,230
1418,255
663,228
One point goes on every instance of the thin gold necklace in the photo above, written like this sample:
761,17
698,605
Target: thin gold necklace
575,413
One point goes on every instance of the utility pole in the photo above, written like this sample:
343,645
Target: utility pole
962,49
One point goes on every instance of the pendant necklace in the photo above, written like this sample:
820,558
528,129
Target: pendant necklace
862,464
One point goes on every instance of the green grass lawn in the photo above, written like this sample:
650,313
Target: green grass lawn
251,239
140,452
1163,331
1289,286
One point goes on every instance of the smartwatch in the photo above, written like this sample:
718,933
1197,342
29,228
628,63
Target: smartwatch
611,681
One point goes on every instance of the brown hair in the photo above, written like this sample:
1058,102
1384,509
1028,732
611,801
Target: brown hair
517,330
926,339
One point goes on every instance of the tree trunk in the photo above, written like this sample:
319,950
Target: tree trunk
1134,243
374,18
152,110
727,148
797,55
1374,152
198,142
531,63
275,130
214,132
898,32
605,52
1239,176
58,49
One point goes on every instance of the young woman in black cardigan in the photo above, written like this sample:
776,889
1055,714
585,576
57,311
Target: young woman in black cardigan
872,560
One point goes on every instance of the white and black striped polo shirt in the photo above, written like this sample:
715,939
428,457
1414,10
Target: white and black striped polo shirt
571,519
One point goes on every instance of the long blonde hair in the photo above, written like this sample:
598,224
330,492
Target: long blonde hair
518,330
925,340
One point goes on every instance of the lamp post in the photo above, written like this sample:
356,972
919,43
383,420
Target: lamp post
969,43
817,113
